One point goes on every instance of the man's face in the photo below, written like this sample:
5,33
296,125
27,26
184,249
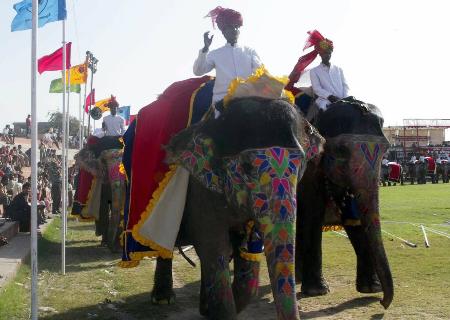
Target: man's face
326,55
113,110
231,33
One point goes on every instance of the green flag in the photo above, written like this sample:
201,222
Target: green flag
57,87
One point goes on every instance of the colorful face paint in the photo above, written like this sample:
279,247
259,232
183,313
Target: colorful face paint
264,182
353,161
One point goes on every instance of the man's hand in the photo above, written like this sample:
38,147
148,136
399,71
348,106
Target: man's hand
207,40
332,98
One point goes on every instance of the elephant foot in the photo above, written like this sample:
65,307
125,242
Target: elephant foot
320,288
369,285
163,298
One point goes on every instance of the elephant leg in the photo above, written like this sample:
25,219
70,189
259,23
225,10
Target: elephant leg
308,249
245,282
103,221
366,277
114,228
162,292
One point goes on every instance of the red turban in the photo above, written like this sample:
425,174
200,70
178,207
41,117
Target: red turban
320,43
225,17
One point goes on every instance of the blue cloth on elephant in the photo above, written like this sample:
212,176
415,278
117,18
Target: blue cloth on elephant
350,212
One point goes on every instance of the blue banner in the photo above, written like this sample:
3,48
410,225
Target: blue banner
48,11
124,112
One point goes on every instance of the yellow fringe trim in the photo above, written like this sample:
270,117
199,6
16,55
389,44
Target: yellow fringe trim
352,222
89,196
128,264
332,228
137,256
83,219
163,252
257,257
235,83
191,103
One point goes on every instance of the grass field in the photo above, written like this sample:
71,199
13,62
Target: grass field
94,288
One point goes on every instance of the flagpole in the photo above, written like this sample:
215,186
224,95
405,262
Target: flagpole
66,140
83,111
80,133
63,185
33,244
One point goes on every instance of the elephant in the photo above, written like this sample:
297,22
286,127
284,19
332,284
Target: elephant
391,173
244,168
102,158
442,169
344,182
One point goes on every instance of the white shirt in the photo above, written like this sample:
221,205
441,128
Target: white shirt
328,81
385,162
114,125
230,62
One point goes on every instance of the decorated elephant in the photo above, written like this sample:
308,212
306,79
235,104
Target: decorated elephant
103,185
426,168
342,189
412,171
392,173
442,170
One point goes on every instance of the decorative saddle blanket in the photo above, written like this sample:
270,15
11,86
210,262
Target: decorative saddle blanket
149,178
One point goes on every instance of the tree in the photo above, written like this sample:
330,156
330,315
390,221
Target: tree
55,120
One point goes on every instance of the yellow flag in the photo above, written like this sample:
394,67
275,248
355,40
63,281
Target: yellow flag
78,74
102,104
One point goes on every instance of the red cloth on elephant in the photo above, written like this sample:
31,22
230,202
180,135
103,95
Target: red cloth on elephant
394,171
431,164
156,124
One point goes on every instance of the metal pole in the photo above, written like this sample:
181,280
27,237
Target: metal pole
90,107
66,141
427,244
33,244
63,185
80,133
84,102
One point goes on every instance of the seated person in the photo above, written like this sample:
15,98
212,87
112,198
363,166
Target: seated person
20,210
327,80
113,124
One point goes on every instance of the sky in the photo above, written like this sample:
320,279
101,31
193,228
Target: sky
393,53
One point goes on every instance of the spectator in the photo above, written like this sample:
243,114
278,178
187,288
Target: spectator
20,210
28,123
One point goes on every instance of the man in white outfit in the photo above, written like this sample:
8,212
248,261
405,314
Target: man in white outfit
327,80
231,60
113,124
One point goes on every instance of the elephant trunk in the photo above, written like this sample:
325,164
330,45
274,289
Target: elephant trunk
373,232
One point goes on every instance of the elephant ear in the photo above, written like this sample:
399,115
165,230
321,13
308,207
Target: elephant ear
86,160
195,152
310,140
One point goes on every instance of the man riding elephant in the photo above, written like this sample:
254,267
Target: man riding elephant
341,188
101,181
230,61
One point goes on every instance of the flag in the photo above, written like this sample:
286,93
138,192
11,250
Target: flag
90,100
53,61
48,11
101,104
56,86
124,112
78,74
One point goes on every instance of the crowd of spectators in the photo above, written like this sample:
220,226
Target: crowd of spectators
15,187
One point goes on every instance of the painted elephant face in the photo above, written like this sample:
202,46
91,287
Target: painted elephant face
262,182
353,162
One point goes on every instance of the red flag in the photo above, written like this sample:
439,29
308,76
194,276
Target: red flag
90,100
54,61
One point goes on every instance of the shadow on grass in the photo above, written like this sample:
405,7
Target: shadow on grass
133,307
350,304
83,227
50,256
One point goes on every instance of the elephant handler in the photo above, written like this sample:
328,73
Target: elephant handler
113,125
327,80
231,60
